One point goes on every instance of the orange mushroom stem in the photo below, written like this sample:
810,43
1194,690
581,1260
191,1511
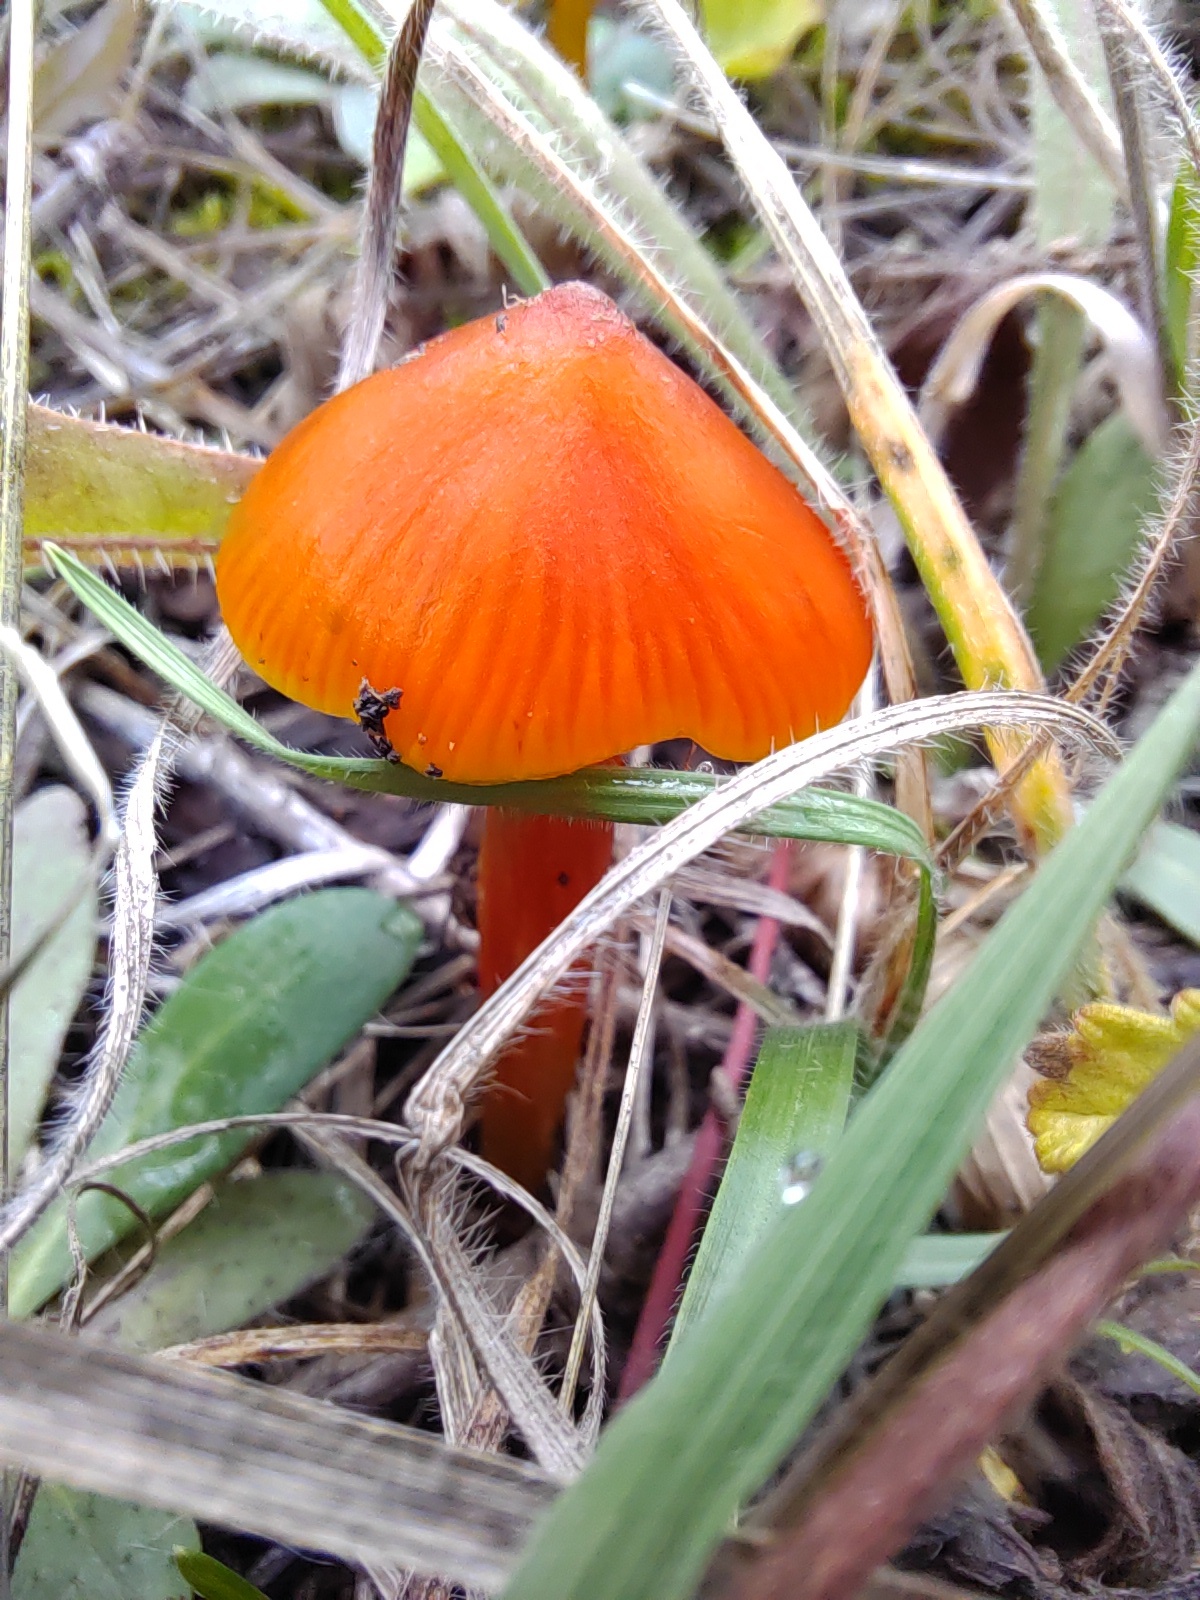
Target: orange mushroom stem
531,547
533,871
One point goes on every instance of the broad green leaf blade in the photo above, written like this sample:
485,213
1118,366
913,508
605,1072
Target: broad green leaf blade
248,1027
629,795
212,1579
256,1244
51,868
84,1547
1091,538
1166,877
794,1114
119,492
674,1466
752,38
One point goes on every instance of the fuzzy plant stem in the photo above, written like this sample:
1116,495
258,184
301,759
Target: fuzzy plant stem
671,1266
14,399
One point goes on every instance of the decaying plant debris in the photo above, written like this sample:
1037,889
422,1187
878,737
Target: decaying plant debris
975,206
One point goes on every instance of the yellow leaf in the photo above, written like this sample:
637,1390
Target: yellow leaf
1105,1061
751,38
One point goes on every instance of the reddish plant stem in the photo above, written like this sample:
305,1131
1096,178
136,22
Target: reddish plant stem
671,1266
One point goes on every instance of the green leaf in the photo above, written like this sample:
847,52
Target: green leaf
753,38
621,56
1181,257
51,868
1092,537
794,1113
258,1242
629,795
1166,877
936,1260
118,490
85,1547
212,1579
248,1027
674,1466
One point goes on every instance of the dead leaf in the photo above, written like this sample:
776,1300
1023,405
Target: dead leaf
1093,1072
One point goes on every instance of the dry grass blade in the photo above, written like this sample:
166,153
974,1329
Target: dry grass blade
426,1215
1072,91
135,892
1132,357
436,1107
43,683
1102,670
640,1051
384,196
297,1342
989,643
260,1460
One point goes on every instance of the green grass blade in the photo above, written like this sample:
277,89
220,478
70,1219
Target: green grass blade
478,190
936,1260
795,1111
1166,877
626,795
675,1465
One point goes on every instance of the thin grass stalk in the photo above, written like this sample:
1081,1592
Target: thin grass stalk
989,643
639,1061
1156,59
1074,95
1123,78
14,400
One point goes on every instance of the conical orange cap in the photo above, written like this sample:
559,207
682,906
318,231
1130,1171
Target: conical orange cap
554,544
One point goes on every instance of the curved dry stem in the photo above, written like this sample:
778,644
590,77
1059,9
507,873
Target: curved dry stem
136,889
436,1108
1132,356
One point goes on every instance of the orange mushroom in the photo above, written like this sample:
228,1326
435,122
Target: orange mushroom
530,547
